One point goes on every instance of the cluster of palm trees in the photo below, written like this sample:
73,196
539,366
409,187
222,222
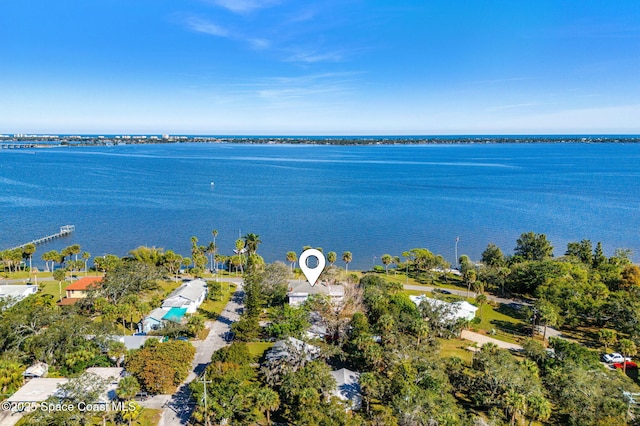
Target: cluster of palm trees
332,256
16,259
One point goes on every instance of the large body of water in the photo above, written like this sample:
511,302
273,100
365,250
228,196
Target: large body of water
369,200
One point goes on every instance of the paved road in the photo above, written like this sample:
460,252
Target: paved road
177,408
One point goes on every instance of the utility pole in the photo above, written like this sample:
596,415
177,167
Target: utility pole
204,381
457,266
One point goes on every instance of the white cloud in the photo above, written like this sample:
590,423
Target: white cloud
244,6
202,26
314,56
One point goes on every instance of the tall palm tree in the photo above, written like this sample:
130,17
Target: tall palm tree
211,251
347,257
332,257
386,260
28,251
292,258
628,349
267,400
251,242
85,256
215,234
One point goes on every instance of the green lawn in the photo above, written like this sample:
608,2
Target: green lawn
456,347
212,308
257,349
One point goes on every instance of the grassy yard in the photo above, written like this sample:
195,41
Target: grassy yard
257,349
212,308
456,347
503,322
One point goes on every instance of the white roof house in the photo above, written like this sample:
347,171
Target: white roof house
299,291
37,390
348,387
17,292
457,310
189,295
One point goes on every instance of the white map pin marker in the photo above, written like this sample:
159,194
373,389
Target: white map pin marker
312,274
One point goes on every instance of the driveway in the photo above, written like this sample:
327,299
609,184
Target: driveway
177,408
481,339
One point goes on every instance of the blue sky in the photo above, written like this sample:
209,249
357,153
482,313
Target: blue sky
331,67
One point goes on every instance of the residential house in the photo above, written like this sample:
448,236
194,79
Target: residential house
153,321
299,292
81,288
454,310
286,348
189,295
348,387
17,292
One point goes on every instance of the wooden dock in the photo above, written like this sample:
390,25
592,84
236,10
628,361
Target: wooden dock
64,231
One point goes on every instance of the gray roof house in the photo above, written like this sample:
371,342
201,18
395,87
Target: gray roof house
284,348
299,291
153,321
189,295
348,387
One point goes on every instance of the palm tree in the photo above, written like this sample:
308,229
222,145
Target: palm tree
470,278
28,251
332,256
514,404
538,408
548,314
628,349
251,242
267,400
422,329
347,257
86,256
215,234
292,258
481,299
386,259
211,251
607,337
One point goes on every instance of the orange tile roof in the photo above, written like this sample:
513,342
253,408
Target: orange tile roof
85,283
67,302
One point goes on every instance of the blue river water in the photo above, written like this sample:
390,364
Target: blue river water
369,200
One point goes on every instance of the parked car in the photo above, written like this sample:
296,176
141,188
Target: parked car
229,336
630,365
614,357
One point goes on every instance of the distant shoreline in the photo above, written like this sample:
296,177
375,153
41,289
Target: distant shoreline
49,141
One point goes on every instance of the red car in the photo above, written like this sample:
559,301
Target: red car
630,364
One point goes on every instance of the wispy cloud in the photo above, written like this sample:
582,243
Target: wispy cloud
283,91
206,27
313,56
202,26
244,6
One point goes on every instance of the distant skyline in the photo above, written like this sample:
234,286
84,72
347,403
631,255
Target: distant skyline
348,67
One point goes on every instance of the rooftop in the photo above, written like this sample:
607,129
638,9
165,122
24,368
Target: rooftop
37,390
85,283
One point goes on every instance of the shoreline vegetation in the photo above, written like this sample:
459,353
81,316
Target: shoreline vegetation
543,319
49,141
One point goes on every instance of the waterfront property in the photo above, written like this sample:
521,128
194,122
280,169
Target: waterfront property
17,292
184,300
299,292
81,288
453,311
188,296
